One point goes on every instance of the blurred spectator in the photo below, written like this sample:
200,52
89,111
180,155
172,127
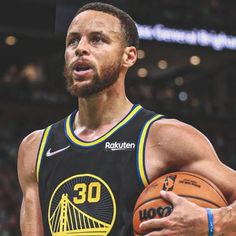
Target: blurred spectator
11,75
33,72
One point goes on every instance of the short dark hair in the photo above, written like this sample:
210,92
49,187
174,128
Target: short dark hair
128,25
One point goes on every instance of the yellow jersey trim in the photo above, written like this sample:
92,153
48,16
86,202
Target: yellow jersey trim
74,139
41,150
141,150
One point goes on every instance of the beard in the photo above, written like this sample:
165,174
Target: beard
107,78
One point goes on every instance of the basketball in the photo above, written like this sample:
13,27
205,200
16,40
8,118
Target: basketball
193,187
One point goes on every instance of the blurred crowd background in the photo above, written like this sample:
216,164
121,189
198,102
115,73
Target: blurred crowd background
191,83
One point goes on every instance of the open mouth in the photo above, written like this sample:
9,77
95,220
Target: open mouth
81,66
81,69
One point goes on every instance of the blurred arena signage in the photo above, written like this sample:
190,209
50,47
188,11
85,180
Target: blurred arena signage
199,37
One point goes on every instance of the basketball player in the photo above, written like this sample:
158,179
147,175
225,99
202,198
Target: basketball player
82,175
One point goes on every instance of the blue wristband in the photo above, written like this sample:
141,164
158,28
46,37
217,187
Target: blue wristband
210,222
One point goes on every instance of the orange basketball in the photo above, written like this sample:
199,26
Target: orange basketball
191,186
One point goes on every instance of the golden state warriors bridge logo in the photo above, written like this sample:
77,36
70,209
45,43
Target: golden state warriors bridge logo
82,205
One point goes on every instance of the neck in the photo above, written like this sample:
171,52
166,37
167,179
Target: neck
105,108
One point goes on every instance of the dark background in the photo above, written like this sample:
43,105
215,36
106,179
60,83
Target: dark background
32,88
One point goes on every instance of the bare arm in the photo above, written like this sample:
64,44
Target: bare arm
30,217
175,146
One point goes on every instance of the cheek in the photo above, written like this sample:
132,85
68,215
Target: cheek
68,55
108,60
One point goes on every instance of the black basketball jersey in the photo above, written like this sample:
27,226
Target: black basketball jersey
90,188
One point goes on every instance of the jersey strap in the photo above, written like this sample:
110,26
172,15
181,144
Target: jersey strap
140,154
41,149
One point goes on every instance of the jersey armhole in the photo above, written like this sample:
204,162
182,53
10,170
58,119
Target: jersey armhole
41,148
140,153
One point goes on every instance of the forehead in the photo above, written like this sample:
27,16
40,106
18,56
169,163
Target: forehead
91,20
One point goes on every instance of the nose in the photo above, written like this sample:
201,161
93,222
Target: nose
82,48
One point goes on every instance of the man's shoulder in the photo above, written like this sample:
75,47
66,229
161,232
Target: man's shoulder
178,140
32,139
28,148
171,127
174,135
27,156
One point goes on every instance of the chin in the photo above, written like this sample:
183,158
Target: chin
82,91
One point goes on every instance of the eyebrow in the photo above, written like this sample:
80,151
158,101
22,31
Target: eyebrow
76,33
73,34
105,35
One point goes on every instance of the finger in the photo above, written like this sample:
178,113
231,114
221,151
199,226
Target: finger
171,197
159,233
154,224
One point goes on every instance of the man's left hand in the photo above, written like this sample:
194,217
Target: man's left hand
186,219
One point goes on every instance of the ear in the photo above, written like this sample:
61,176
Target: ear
129,56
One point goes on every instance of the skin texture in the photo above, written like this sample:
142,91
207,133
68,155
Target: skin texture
30,215
171,144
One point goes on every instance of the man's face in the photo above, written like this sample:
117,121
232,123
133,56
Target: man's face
93,55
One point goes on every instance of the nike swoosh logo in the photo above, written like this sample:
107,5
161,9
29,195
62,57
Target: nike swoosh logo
49,153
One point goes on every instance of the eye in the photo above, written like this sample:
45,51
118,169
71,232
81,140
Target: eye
73,42
97,39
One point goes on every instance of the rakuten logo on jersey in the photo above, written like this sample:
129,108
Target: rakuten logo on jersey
118,146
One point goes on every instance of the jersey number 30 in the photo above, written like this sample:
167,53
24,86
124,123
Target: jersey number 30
87,192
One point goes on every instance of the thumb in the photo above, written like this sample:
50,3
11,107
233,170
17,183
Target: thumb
171,197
